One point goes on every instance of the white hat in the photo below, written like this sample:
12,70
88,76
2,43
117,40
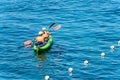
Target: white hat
40,33
43,29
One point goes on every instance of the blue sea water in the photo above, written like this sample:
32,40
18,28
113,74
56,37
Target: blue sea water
89,27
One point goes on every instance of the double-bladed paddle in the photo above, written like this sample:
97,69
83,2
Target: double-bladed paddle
28,42
51,25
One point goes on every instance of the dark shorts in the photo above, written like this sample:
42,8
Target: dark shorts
39,44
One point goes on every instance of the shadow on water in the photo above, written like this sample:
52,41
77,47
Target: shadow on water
41,55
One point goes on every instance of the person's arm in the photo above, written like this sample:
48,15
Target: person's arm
48,33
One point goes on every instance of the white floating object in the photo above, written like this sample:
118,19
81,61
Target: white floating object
47,77
102,54
85,62
119,43
112,47
70,70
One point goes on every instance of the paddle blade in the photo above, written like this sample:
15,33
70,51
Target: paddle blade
51,25
26,43
57,27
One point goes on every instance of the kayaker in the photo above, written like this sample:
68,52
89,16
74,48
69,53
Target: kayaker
45,34
39,41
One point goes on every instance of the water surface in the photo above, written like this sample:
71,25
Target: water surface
88,28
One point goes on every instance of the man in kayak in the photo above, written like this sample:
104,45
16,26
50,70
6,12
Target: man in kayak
39,41
45,34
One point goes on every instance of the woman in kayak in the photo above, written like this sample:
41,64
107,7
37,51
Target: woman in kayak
45,34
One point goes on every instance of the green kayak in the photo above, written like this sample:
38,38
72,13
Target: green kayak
45,47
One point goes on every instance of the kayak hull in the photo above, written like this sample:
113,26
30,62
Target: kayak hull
45,47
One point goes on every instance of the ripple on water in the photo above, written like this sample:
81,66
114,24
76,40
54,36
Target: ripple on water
87,30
